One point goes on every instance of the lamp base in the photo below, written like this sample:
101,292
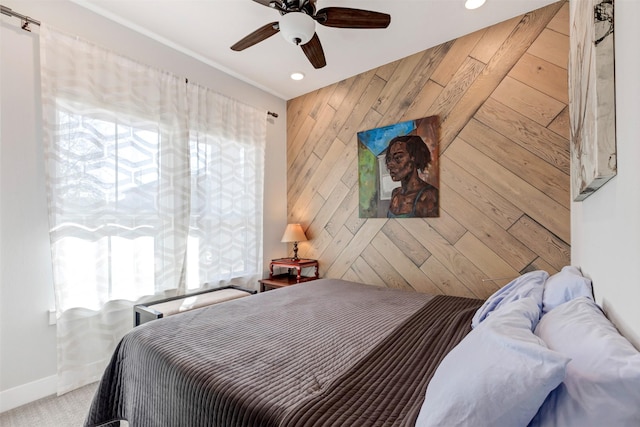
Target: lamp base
295,252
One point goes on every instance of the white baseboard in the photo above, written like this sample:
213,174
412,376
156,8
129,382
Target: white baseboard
27,393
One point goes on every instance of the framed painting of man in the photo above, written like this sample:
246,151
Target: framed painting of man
398,170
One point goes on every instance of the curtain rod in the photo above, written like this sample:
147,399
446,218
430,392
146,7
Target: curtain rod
27,20
9,12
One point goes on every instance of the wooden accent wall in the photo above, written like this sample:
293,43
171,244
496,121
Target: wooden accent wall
502,97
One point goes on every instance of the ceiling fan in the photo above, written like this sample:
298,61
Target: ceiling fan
298,21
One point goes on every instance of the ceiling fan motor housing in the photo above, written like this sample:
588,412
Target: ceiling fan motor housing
297,27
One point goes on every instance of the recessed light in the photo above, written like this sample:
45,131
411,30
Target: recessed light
473,4
297,76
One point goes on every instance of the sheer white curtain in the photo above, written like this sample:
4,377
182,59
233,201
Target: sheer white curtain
227,140
138,204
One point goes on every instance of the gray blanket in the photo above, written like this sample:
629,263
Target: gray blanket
323,353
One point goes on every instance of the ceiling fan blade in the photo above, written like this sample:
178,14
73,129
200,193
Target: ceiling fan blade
257,36
314,52
345,17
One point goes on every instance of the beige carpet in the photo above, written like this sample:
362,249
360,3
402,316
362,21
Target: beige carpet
68,410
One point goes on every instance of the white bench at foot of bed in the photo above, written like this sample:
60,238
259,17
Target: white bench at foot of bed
169,306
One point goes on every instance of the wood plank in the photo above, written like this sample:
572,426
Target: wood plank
456,57
560,21
294,112
404,70
358,243
469,70
356,90
333,250
531,168
350,176
553,47
543,76
294,147
528,101
405,95
390,276
510,249
294,107
408,245
315,180
497,68
370,121
352,276
560,124
444,279
297,116
365,273
320,241
493,38
333,201
340,92
345,162
321,128
300,212
308,168
320,100
478,194
386,71
541,264
422,102
491,264
353,123
403,265
446,226
354,223
339,218
449,256
529,199
525,132
550,248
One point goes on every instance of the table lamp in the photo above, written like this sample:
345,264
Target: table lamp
294,233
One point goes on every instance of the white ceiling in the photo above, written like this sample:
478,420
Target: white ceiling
205,29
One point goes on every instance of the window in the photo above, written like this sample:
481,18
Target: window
110,235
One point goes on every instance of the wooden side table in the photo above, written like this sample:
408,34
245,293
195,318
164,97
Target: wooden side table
287,279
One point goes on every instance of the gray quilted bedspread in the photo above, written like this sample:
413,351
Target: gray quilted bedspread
324,353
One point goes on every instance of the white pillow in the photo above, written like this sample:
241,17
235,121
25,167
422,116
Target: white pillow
602,386
527,285
498,375
567,284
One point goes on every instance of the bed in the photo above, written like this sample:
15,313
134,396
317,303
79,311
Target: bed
337,353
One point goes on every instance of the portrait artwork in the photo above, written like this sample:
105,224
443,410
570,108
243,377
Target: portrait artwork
398,170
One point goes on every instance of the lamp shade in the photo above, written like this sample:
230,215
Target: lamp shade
293,233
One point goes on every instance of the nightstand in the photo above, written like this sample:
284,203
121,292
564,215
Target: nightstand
279,280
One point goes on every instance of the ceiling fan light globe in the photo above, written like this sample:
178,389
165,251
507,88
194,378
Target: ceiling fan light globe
297,27
473,4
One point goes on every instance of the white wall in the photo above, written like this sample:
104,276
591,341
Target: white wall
27,342
605,240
